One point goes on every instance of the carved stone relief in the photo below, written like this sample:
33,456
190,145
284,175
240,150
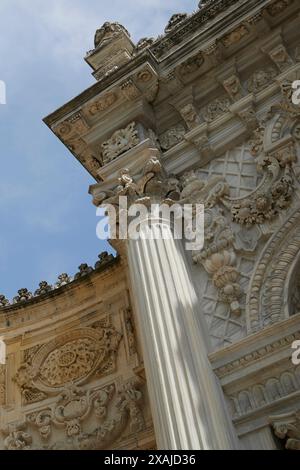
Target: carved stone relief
172,137
260,79
113,409
215,109
121,141
71,358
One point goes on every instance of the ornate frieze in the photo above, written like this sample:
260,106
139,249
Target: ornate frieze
116,409
207,12
127,411
75,125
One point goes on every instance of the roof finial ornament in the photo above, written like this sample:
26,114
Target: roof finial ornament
175,20
108,32
202,3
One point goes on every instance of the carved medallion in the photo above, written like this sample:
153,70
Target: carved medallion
70,358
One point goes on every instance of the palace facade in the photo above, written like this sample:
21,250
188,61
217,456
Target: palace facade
161,347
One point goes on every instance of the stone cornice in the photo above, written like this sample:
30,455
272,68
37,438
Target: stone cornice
150,54
96,89
256,347
187,28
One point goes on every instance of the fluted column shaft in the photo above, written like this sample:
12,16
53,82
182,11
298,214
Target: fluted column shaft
186,399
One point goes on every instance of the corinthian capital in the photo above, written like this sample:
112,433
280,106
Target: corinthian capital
151,185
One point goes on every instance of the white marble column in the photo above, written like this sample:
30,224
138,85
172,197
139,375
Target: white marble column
186,399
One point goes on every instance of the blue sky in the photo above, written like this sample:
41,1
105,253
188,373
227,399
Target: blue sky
47,221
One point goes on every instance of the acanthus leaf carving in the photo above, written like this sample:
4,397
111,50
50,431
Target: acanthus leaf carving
102,104
116,408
